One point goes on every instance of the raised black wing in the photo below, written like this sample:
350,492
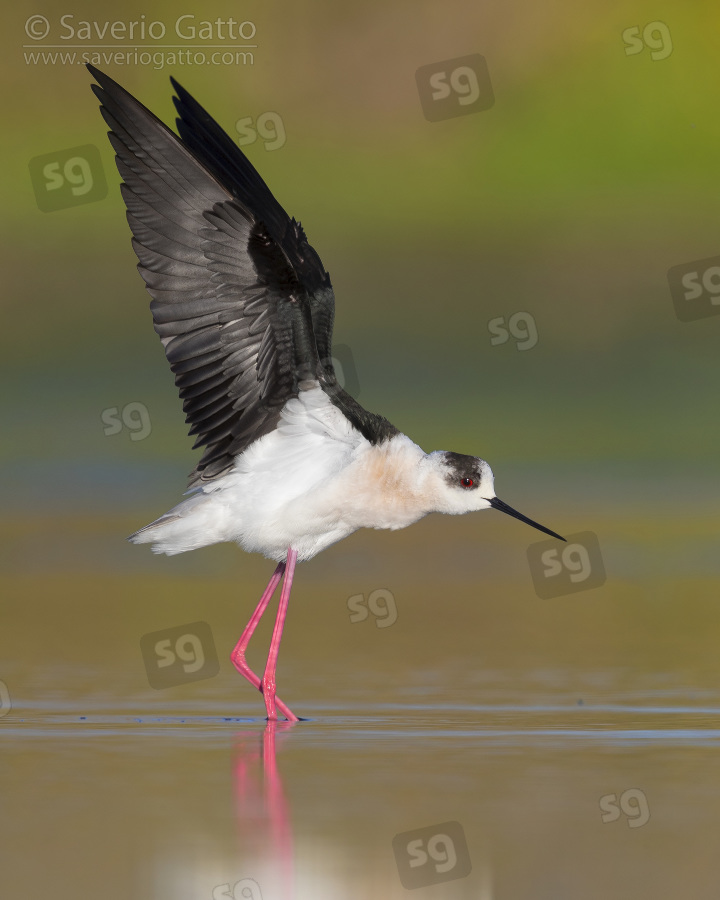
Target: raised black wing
230,302
241,301
220,155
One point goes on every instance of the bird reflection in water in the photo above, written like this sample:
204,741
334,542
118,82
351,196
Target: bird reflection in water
263,815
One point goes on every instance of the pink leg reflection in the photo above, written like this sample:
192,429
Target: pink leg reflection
238,655
262,810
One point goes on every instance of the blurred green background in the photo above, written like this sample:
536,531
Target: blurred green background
569,199
592,175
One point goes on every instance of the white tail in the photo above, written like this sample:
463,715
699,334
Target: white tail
189,525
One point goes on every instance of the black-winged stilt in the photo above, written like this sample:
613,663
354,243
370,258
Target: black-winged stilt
244,309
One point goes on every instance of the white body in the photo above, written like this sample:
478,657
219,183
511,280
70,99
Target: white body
310,483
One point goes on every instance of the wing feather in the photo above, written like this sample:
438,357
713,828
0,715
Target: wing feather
241,301
222,288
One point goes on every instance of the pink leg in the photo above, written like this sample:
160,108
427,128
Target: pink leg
268,681
238,655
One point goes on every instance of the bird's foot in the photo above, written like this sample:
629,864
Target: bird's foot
238,660
273,702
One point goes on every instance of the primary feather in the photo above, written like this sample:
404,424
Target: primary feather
241,301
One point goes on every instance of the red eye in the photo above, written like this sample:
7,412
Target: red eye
467,482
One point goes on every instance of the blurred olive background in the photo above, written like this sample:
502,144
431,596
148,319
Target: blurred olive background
592,175
569,199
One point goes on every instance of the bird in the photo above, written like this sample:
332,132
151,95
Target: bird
244,308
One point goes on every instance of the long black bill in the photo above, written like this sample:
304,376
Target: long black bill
503,507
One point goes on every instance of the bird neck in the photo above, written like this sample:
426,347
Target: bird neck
390,484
